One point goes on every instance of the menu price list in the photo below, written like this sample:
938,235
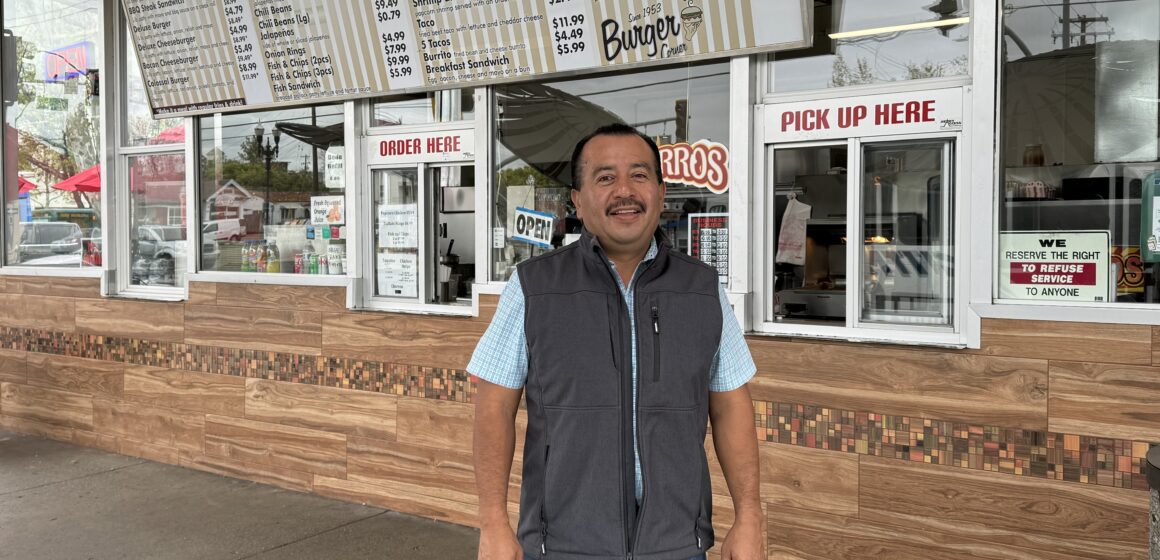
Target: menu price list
246,51
572,34
179,51
709,241
257,52
394,23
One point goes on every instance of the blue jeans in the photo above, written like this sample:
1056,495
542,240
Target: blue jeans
530,557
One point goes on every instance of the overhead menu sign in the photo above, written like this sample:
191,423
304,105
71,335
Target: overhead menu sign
201,56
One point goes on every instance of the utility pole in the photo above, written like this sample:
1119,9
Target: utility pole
1083,22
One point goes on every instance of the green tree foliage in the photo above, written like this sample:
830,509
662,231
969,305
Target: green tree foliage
843,75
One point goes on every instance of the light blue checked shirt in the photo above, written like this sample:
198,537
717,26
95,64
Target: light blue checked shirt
502,354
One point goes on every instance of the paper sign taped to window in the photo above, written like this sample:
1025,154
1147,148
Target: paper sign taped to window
533,227
335,167
398,226
328,210
398,275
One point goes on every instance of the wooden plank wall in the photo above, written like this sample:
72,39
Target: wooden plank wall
413,454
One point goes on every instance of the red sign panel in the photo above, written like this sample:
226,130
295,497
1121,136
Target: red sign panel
1054,273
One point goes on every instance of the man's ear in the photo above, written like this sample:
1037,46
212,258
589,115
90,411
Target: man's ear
575,195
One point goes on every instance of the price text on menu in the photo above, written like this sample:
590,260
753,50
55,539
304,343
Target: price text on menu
204,56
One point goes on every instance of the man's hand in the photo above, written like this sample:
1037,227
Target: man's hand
731,413
492,447
745,540
499,543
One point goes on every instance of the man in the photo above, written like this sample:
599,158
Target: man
625,347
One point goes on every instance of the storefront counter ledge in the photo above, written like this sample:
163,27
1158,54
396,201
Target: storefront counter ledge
273,279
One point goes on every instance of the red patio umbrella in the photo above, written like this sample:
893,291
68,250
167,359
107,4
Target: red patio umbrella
88,180
171,135
26,185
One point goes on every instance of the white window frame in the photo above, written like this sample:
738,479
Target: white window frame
193,180
362,295
984,301
744,73
974,39
108,115
767,222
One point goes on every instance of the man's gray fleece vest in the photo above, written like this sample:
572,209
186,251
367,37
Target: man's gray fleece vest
578,499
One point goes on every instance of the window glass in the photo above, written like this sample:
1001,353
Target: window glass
903,250
906,244
52,148
157,230
859,43
397,233
1079,218
685,109
272,192
141,128
424,108
809,280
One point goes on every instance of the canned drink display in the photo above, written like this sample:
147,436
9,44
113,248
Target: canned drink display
313,264
297,263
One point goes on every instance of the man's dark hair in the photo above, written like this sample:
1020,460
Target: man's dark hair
614,129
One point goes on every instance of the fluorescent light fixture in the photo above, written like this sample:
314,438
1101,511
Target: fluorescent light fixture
897,28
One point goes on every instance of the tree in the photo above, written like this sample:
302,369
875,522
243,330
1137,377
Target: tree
843,76
955,67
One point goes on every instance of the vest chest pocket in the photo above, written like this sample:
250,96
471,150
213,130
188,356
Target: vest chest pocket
679,343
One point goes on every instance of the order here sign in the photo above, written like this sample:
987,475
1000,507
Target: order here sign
871,115
1054,266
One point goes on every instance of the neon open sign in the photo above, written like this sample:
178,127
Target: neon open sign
68,62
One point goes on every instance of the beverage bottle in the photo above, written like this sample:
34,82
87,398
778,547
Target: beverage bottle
273,259
252,256
306,252
247,256
260,256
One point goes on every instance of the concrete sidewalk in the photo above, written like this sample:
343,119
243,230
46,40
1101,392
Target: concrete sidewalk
59,501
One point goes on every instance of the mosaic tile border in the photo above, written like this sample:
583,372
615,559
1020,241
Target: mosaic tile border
1033,453
344,373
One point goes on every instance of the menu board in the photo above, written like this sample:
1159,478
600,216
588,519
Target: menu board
709,241
200,56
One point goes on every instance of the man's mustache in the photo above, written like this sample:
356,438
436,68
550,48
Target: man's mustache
629,204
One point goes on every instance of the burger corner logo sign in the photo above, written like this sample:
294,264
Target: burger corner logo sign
691,18
703,164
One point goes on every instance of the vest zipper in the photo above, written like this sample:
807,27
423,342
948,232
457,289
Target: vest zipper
636,413
543,516
656,320
628,449
627,489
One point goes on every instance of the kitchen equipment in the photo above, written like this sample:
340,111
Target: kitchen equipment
448,281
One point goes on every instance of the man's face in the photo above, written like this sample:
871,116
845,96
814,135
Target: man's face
620,198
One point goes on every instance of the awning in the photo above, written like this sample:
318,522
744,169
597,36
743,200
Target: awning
26,185
88,180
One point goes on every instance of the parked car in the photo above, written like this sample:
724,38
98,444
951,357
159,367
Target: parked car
43,239
156,250
227,228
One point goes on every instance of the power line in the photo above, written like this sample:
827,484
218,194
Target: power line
1012,8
